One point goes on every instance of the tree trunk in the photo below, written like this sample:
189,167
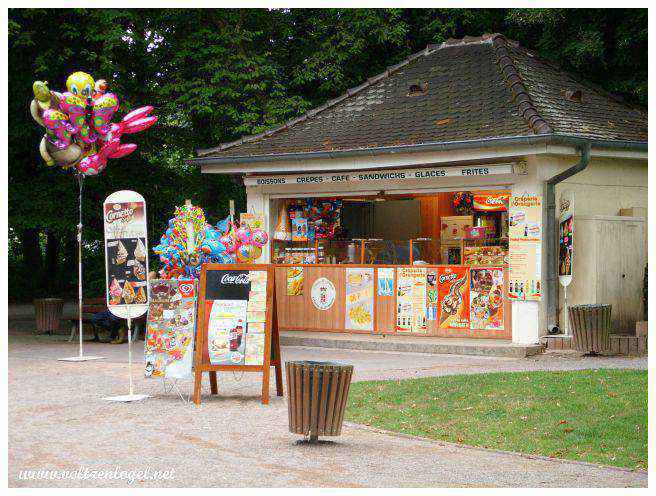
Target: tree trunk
51,273
31,252
69,272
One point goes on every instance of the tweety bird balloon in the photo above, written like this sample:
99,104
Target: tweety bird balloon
79,131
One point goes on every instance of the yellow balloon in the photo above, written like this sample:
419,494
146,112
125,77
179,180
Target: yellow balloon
80,84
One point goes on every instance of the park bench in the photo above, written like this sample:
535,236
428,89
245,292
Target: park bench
91,306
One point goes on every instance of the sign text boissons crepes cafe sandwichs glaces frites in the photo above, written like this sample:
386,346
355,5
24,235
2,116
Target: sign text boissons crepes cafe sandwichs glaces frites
386,175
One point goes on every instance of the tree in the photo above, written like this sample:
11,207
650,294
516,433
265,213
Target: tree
214,75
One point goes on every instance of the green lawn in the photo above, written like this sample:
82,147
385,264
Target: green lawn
598,416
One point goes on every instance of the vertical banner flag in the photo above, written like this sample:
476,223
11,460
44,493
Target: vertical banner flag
126,254
525,253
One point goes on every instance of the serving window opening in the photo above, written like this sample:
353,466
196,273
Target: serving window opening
468,227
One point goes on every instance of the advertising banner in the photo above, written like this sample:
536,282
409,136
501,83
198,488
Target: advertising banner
525,254
359,299
126,254
566,239
169,343
411,300
486,298
453,294
386,281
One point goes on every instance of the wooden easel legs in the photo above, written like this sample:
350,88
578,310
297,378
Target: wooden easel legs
214,388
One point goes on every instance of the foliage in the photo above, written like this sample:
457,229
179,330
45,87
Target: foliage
215,75
598,416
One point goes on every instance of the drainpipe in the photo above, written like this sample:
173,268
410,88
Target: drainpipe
552,236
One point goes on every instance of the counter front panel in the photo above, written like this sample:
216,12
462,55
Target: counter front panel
430,300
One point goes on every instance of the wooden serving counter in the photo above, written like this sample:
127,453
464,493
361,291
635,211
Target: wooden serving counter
448,303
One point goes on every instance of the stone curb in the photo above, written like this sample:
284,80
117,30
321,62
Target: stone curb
511,351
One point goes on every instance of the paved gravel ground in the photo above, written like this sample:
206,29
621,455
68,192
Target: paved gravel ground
58,420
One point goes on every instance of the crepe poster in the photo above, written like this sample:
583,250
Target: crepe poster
411,300
226,327
453,294
432,297
486,298
126,254
170,327
295,281
525,252
359,299
386,281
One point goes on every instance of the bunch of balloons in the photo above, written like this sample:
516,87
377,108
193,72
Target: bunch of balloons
189,242
79,131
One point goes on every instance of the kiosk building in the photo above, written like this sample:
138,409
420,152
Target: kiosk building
430,198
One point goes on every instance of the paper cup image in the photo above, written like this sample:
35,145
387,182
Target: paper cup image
519,217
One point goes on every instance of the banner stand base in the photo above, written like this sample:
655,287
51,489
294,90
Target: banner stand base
84,358
127,398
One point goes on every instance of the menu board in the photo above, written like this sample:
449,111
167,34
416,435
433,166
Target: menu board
169,343
126,254
525,254
453,293
235,310
486,298
237,325
411,300
359,299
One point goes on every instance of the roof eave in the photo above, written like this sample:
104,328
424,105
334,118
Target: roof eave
540,139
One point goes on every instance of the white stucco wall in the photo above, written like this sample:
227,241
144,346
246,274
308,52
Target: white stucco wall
603,188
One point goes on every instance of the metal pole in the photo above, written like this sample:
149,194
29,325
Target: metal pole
130,349
80,182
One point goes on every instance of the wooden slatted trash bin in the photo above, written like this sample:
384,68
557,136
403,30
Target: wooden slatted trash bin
316,397
48,314
591,327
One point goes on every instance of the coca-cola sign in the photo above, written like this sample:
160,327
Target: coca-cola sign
231,278
227,285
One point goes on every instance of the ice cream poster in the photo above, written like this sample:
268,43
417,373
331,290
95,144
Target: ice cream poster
486,298
359,299
126,254
453,296
411,300
169,343
226,329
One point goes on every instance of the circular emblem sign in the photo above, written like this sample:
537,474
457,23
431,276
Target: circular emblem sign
323,293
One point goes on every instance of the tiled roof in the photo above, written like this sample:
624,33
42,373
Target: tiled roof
468,89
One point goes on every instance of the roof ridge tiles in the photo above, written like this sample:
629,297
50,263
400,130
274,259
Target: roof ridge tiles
519,91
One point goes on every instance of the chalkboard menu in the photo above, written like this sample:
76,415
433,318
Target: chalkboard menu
237,325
